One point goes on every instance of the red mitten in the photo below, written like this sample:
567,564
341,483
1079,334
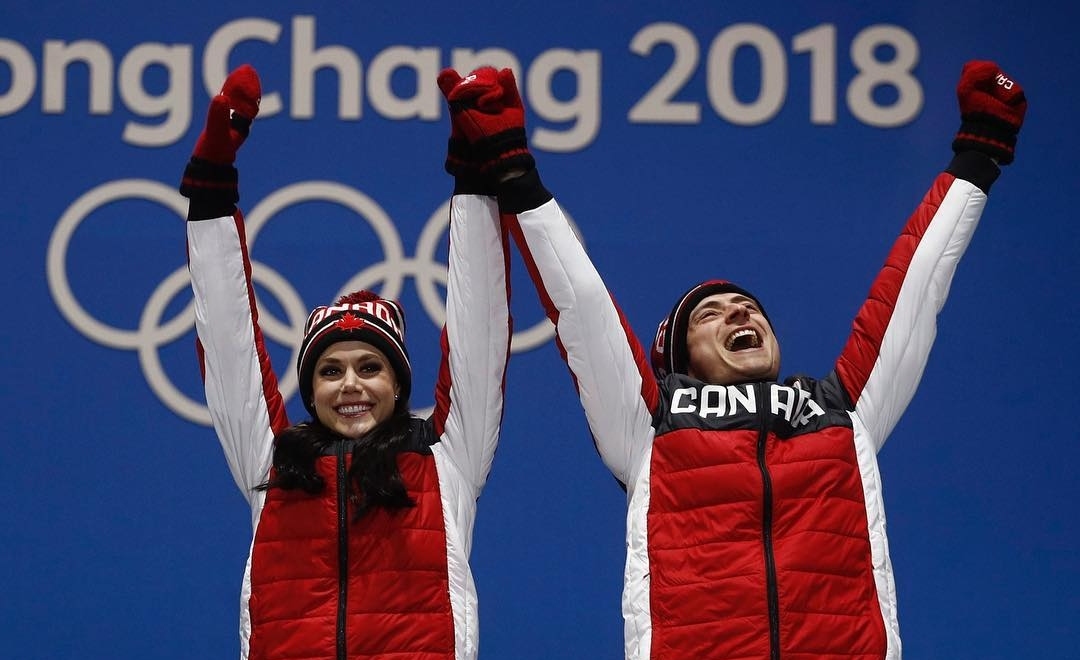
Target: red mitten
486,110
992,107
210,174
229,118
461,162
243,89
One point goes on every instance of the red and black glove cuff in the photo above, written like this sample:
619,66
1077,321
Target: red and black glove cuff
211,187
459,157
462,165
989,134
478,167
503,152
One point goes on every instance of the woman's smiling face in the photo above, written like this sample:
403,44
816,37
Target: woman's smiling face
354,388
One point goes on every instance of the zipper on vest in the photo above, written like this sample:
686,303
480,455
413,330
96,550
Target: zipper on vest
343,548
766,525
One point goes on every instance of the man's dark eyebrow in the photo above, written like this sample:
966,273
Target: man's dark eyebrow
709,304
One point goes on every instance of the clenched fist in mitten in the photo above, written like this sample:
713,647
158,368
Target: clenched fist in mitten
488,120
210,177
462,159
992,107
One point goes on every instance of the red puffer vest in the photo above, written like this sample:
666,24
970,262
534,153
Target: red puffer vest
326,586
758,539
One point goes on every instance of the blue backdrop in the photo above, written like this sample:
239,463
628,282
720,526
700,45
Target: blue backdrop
778,144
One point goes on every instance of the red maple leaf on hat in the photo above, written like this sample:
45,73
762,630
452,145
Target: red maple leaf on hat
349,322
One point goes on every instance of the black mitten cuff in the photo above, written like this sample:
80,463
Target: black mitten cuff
523,193
461,165
974,166
473,185
211,187
458,157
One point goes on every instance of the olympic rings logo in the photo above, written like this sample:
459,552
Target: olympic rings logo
154,331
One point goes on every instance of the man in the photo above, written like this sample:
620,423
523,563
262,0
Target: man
755,526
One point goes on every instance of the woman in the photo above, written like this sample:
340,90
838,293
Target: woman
363,515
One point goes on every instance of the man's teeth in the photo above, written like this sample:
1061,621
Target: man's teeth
745,338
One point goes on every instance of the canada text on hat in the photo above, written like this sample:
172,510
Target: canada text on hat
380,309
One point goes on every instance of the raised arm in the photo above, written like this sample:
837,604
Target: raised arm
476,337
241,389
610,370
613,380
883,361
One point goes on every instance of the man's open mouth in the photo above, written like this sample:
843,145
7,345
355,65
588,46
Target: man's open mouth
742,340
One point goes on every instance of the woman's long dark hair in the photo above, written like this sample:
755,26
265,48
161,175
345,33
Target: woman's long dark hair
374,477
